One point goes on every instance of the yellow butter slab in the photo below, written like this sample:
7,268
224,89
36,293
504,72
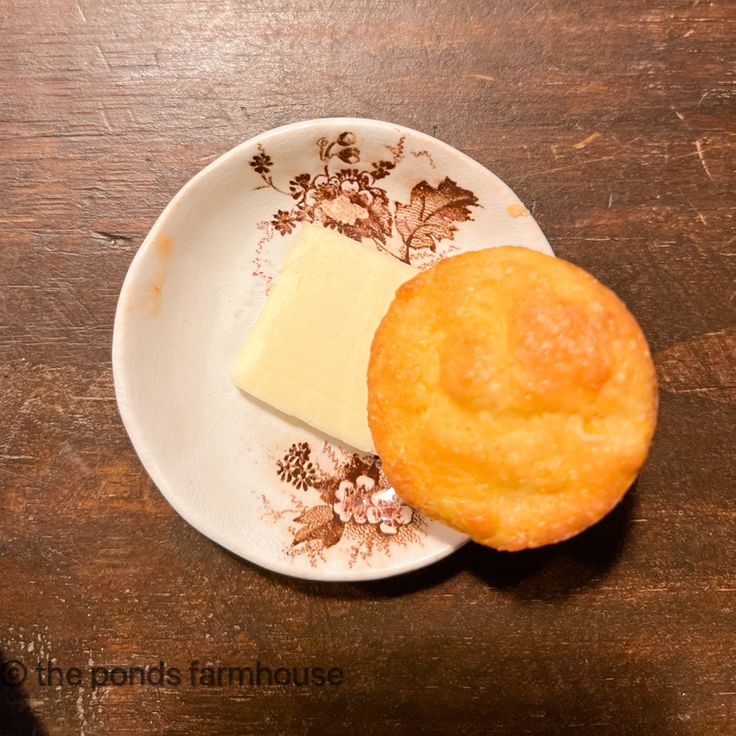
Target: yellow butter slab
307,354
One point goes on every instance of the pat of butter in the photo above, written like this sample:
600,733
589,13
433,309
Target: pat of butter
308,352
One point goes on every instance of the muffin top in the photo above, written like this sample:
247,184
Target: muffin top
510,395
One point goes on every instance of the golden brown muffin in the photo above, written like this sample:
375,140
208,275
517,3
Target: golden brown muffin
511,395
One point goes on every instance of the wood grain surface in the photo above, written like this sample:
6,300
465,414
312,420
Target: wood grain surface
614,121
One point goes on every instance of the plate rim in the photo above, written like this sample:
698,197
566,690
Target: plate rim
122,392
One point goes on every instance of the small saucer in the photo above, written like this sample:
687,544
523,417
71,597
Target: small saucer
259,483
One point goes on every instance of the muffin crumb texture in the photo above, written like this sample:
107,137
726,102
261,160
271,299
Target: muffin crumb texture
511,395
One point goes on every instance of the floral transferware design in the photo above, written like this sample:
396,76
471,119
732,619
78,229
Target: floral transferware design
352,200
345,497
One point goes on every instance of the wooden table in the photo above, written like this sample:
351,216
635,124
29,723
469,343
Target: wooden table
614,121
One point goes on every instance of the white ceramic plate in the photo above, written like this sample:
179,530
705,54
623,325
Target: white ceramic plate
265,486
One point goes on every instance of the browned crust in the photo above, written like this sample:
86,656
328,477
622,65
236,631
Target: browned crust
596,371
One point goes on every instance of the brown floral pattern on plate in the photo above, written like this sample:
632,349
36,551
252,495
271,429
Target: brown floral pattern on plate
351,502
345,498
352,200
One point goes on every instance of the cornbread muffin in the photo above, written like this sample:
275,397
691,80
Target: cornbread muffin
510,395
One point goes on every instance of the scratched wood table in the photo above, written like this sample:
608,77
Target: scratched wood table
614,121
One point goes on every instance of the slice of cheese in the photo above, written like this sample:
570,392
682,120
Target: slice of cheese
307,354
